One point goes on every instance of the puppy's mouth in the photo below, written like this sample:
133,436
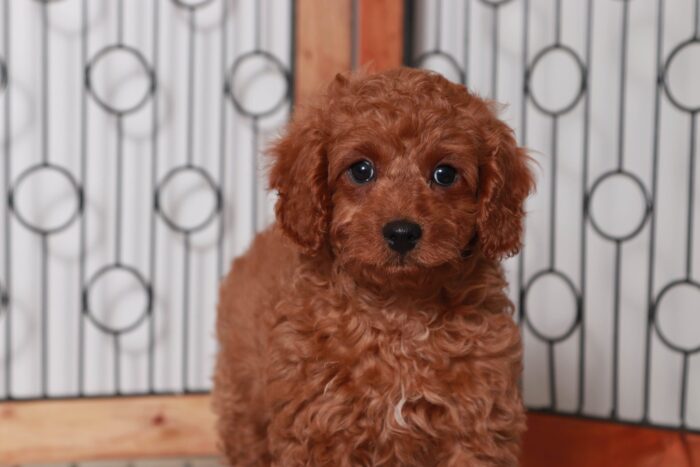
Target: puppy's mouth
413,263
419,261
402,262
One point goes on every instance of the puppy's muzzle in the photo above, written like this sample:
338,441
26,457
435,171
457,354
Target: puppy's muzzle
402,235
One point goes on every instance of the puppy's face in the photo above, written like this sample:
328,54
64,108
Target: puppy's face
400,173
404,190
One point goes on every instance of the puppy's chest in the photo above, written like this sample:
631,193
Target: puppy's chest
334,342
390,351
400,368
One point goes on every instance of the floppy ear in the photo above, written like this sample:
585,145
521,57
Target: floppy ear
300,176
505,181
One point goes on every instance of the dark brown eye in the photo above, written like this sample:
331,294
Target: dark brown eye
361,172
444,175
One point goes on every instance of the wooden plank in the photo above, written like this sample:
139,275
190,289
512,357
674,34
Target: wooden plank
553,440
183,426
380,31
323,44
98,429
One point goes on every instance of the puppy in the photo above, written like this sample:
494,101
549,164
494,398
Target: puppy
369,326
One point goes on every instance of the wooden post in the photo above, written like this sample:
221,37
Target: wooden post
323,44
380,31
324,40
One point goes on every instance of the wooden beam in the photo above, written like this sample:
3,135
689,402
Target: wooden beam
553,440
323,44
98,429
183,426
380,31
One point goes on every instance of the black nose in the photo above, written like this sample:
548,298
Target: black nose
402,235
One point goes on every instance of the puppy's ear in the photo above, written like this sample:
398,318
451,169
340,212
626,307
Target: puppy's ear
300,176
505,181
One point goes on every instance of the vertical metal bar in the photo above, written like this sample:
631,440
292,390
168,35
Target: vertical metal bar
254,177
467,30
222,138
45,160
618,244
616,329
553,211
654,185
120,22
118,202
44,83
408,22
44,316
185,312
584,222
494,51
553,195
118,191
258,25
622,87
191,62
684,390
83,179
117,365
254,150
557,22
691,198
523,139
438,17
291,95
8,230
154,184
552,375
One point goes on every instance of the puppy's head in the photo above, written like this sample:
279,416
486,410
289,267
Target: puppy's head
400,172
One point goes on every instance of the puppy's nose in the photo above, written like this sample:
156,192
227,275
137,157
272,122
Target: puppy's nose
402,235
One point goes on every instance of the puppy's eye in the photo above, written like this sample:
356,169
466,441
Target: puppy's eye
444,175
361,172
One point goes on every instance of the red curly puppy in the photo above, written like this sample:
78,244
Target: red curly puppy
380,334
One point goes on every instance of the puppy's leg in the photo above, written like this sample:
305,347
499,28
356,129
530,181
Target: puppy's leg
461,456
319,430
241,430
248,295
333,451
238,378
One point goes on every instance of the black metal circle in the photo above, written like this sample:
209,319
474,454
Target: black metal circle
655,312
210,183
667,67
531,69
12,197
191,6
277,64
3,74
577,315
142,61
87,310
642,221
422,58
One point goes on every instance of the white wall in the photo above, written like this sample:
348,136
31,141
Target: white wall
618,204
117,298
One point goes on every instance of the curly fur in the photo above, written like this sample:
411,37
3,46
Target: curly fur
337,351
